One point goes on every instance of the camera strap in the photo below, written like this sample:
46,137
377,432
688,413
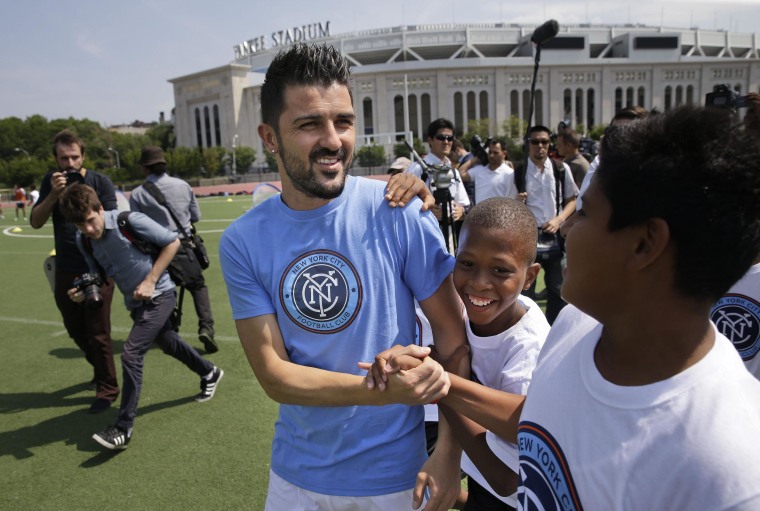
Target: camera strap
153,190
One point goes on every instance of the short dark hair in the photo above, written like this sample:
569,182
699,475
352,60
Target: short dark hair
631,113
66,137
500,141
696,169
506,214
439,124
537,128
301,64
571,137
77,201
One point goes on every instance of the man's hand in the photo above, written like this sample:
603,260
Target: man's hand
76,295
57,183
552,226
523,196
415,377
457,212
403,187
144,291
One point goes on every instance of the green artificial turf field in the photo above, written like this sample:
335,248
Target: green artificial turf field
183,455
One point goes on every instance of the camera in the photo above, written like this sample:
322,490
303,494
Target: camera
441,176
723,97
72,177
480,150
90,284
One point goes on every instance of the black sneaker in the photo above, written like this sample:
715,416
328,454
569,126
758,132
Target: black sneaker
208,387
207,338
113,437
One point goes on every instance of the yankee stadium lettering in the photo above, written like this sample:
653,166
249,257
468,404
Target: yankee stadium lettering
321,292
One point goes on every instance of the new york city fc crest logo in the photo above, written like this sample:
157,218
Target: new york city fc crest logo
545,479
321,292
738,318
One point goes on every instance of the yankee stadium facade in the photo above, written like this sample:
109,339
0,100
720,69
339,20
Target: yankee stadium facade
404,77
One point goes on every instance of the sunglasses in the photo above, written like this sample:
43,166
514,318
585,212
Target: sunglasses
541,142
445,138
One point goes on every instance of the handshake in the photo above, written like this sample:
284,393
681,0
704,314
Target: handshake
419,373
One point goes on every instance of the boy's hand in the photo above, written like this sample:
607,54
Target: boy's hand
76,295
402,188
144,291
377,375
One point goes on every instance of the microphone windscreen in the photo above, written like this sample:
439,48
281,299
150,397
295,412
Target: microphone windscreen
545,32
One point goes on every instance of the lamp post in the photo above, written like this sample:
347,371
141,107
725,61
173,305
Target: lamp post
234,162
21,150
118,162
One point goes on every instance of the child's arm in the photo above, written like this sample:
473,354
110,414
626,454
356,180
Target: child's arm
472,437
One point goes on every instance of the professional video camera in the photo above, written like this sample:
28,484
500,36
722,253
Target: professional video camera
90,283
480,150
440,177
724,97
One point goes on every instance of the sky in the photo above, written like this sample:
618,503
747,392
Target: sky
111,61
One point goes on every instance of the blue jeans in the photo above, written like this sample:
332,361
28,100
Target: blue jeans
152,323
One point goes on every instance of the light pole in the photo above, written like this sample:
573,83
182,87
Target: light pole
118,162
234,162
21,150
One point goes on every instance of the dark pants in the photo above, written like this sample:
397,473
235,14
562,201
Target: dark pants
552,265
152,323
186,272
480,499
91,331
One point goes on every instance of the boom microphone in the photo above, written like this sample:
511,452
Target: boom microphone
545,32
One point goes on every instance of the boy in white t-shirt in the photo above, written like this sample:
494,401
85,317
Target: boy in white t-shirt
495,262
638,401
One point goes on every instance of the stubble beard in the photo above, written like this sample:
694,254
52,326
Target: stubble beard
304,179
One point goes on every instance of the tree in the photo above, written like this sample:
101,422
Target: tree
371,156
211,159
271,160
244,158
400,149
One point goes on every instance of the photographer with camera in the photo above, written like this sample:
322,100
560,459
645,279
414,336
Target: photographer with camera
90,328
148,294
452,197
178,202
491,174
550,193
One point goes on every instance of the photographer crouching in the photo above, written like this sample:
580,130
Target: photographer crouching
149,295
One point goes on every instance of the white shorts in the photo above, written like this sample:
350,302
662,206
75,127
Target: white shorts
284,496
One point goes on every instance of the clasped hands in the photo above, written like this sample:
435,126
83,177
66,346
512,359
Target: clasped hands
414,371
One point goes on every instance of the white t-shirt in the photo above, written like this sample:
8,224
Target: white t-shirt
542,191
737,316
586,181
506,362
499,182
688,442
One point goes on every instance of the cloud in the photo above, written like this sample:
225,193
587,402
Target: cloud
89,47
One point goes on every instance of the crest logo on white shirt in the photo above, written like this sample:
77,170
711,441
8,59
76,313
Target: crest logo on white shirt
545,479
321,292
738,318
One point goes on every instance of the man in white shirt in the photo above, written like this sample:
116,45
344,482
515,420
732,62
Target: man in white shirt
440,139
493,180
550,193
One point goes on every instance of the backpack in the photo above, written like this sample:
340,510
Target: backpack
126,229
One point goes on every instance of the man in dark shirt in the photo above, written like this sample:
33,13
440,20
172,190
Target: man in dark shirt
89,327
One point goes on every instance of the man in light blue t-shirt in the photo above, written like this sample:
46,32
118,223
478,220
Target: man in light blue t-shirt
325,276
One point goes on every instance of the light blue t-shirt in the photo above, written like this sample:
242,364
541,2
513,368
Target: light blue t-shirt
122,260
342,281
